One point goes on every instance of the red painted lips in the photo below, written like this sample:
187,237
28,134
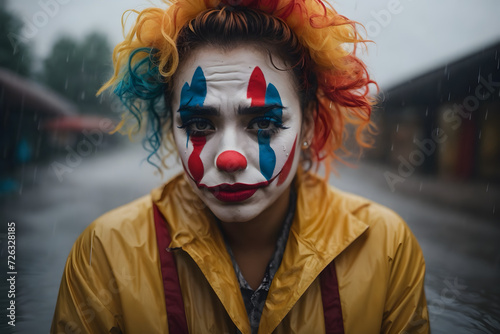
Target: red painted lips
234,196
237,192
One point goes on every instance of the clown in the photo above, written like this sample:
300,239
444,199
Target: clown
236,134
249,95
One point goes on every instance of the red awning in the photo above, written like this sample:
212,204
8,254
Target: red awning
79,123
19,92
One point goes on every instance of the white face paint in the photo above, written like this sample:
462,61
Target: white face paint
237,127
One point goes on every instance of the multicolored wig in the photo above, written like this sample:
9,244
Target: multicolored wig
317,43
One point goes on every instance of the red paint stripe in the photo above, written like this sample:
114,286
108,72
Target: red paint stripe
257,88
288,164
195,164
331,300
176,315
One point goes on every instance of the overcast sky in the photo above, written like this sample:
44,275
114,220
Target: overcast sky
416,36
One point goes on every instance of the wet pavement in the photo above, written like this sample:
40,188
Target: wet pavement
462,249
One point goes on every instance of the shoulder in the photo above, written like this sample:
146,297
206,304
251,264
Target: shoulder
386,227
375,215
327,197
116,234
388,239
130,217
386,231
132,224
381,265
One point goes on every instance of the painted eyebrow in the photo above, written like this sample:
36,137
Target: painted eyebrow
259,109
199,110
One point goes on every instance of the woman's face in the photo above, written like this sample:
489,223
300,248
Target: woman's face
237,126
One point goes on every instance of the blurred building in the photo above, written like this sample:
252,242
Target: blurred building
445,122
39,125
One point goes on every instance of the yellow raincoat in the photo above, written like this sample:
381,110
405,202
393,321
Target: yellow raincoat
112,281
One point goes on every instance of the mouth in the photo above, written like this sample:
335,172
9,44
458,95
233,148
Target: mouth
237,192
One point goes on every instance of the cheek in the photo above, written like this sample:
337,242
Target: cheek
287,167
284,147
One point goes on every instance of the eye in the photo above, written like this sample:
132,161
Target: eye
198,127
266,125
263,124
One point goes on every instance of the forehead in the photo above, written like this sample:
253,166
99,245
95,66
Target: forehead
229,71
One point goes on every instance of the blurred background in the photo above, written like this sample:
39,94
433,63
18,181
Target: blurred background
436,160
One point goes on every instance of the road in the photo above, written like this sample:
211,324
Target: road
462,251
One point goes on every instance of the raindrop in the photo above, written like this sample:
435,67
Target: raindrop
427,112
67,58
487,187
66,84
287,154
479,76
22,181
34,174
480,134
284,148
446,69
494,206
397,128
420,189
392,147
449,96
83,65
486,116
82,96
38,144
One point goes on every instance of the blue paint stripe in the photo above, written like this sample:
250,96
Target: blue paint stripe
267,156
193,95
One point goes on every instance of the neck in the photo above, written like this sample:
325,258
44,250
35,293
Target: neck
261,232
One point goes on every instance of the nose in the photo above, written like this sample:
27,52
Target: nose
231,161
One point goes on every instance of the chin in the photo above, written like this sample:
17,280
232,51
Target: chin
239,213
236,212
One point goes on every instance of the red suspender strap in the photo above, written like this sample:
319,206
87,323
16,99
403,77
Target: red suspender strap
176,315
331,301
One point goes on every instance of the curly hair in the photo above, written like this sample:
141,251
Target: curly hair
310,37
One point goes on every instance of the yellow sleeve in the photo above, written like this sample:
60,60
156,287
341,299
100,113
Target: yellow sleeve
87,294
406,305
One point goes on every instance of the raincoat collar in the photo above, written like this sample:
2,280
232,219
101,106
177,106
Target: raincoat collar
322,228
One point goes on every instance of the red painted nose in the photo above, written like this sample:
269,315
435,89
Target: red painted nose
231,161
